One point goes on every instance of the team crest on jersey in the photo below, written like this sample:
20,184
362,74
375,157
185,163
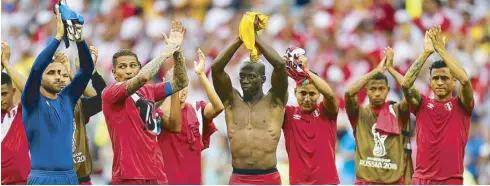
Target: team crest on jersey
448,106
316,113
296,116
430,105
379,149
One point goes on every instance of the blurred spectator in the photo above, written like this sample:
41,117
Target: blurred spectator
343,40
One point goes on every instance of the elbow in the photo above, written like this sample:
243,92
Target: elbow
405,85
329,97
186,82
280,65
144,78
465,81
215,67
348,94
219,108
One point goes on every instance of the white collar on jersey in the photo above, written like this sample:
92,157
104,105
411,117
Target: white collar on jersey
7,121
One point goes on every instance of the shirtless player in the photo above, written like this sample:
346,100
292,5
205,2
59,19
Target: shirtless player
253,120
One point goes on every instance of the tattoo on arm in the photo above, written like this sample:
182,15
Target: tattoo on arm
180,79
149,70
134,84
414,71
413,97
411,93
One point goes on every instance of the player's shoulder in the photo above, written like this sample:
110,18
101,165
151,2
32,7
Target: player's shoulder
290,108
112,86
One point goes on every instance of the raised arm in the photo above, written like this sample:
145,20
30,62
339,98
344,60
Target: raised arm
180,79
171,118
352,105
93,105
31,92
77,86
330,101
466,89
220,77
411,94
89,91
174,43
214,108
404,106
18,80
279,78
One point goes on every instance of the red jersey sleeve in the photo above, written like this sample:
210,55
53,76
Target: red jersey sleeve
160,90
208,126
115,93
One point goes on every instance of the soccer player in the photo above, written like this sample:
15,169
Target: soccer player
86,107
47,112
254,120
16,163
381,129
182,151
128,107
443,122
310,130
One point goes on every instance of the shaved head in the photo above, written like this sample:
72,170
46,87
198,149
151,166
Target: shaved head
252,77
257,67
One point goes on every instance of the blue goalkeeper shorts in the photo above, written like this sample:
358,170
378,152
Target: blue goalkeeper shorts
43,177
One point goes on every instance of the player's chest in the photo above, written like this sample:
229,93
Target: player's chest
440,111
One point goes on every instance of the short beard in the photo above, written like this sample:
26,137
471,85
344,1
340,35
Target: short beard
49,89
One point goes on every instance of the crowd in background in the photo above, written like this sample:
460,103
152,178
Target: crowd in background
343,39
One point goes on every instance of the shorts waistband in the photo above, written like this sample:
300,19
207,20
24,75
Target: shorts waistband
52,173
254,171
84,179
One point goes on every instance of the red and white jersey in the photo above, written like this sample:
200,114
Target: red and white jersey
16,163
182,151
